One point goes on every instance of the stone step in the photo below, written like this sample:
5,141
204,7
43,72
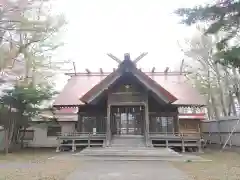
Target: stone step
162,158
131,155
128,136
127,141
124,145
129,152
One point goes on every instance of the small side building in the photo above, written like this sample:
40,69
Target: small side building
43,133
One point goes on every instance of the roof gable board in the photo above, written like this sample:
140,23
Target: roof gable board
128,66
100,87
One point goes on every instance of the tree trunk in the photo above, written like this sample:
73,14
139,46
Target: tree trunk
221,91
231,104
22,138
209,111
216,112
10,128
211,97
236,85
9,135
6,141
209,103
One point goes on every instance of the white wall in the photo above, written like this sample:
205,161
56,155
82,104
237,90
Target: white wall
67,126
40,135
225,125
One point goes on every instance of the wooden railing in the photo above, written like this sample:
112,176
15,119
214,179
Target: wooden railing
72,134
82,136
74,139
176,139
177,134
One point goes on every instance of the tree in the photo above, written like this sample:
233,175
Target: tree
29,35
214,81
19,106
222,18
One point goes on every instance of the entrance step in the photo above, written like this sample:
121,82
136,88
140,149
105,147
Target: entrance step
129,152
128,141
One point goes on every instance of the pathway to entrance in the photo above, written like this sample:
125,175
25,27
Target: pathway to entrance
126,170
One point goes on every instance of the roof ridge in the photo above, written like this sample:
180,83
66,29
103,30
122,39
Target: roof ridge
148,73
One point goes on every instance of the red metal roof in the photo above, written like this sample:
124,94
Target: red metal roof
180,88
67,111
141,76
67,115
200,116
78,85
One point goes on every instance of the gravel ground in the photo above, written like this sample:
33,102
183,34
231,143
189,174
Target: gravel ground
224,166
127,170
35,165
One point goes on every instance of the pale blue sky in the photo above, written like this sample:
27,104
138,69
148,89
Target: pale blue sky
97,27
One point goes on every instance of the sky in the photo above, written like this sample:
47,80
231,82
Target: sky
96,28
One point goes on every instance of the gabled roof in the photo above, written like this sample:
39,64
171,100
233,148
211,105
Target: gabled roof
84,88
128,66
176,84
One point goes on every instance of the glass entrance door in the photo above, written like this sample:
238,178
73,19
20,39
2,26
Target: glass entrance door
128,120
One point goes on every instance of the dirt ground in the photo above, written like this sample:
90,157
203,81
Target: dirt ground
34,165
224,166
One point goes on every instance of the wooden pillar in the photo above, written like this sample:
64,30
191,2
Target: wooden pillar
73,145
183,145
89,140
108,133
6,141
200,140
200,146
147,124
79,129
80,121
178,123
58,145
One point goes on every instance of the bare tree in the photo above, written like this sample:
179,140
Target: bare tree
213,80
29,36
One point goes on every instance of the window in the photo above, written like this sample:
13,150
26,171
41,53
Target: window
166,124
53,130
161,124
190,125
88,123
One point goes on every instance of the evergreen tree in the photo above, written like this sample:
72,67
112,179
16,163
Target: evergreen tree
222,17
20,105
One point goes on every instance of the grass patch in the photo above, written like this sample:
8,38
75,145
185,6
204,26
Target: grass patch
28,154
33,164
224,166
